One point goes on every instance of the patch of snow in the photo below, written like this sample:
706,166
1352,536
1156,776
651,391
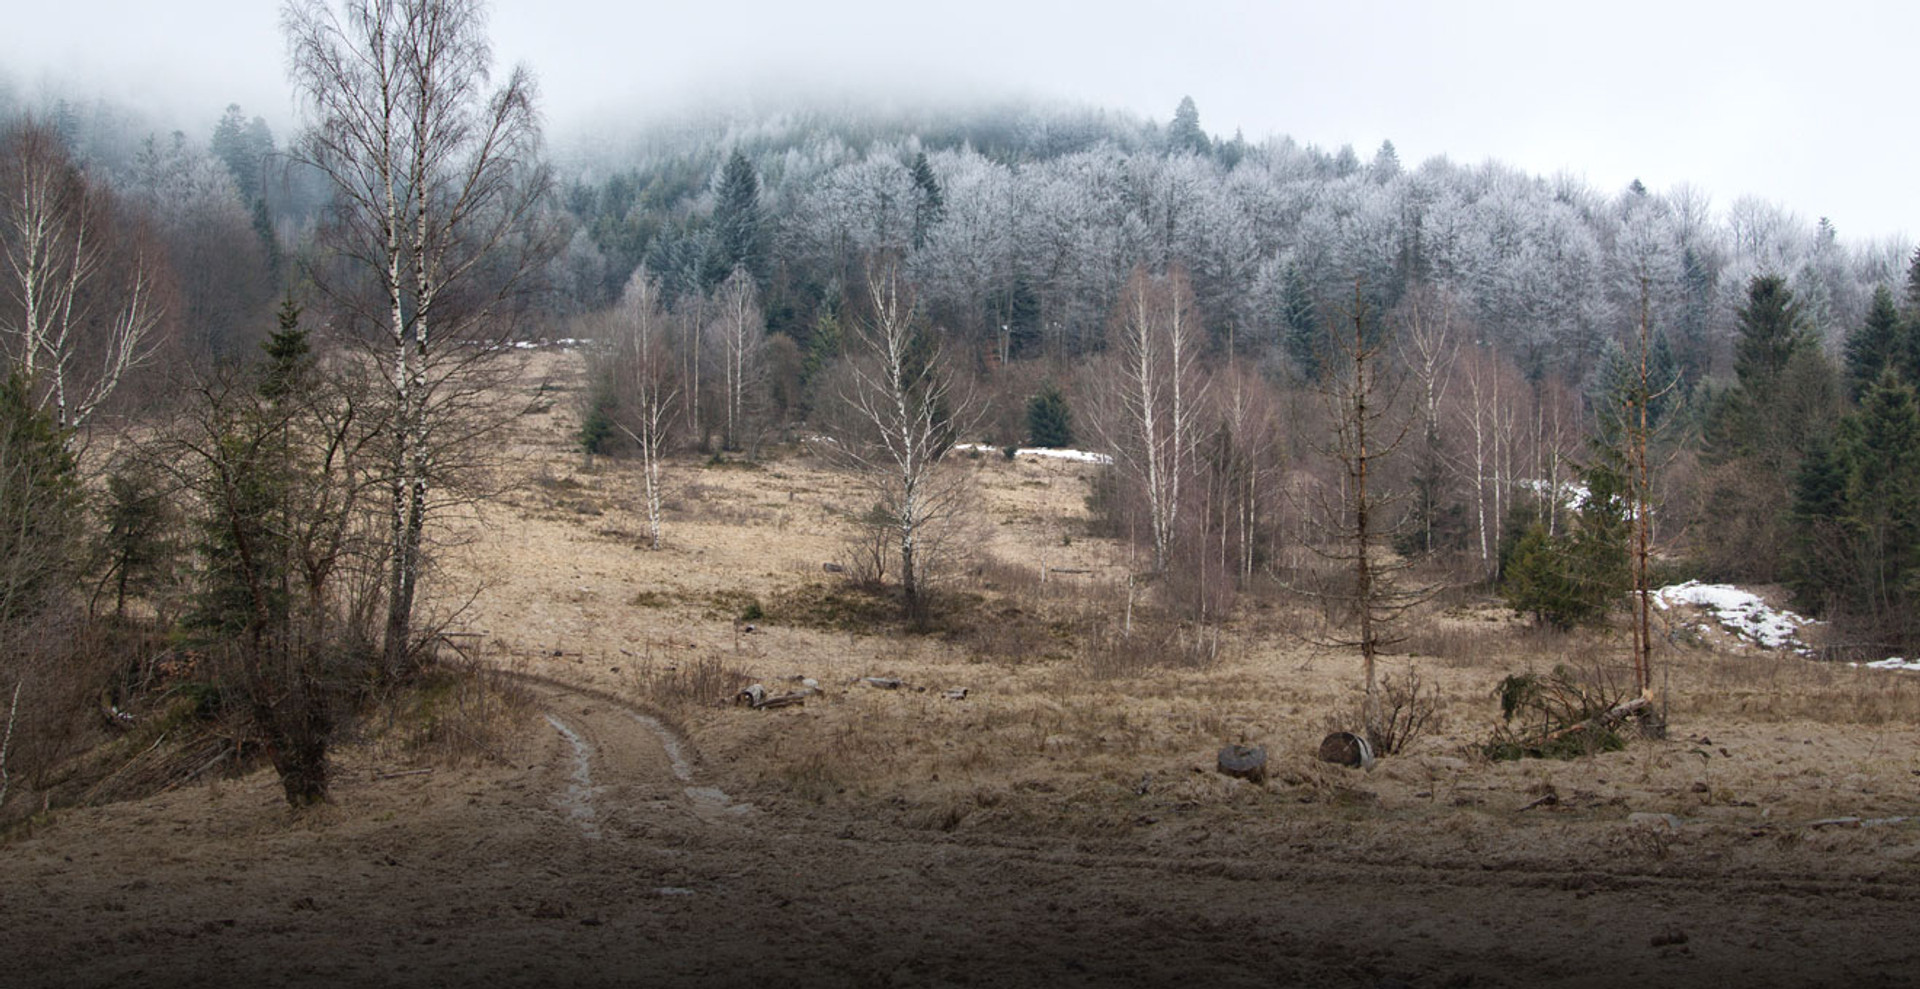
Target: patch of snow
1739,612
1892,663
1047,452
1573,494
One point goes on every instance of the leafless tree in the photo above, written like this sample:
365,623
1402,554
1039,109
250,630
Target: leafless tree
1426,320
438,184
740,341
1154,429
83,293
646,395
1361,393
905,417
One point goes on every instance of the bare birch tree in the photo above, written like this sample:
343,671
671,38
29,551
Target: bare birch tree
646,395
1426,320
437,184
82,292
740,341
1154,431
905,416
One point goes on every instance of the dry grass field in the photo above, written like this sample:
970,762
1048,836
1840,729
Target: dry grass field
1059,824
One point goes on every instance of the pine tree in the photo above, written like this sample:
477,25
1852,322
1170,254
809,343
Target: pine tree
736,235
1049,419
1184,133
1816,570
1874,345
1772,329
929,206
1882,450
287,363
40,502
1303,338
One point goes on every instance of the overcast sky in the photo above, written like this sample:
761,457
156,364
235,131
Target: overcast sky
1806,104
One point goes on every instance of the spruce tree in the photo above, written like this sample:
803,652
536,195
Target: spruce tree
1882,449
1049,419
1184,133
1875,345
736,235
40,504
1303,338
1816,571
929,205
1772,329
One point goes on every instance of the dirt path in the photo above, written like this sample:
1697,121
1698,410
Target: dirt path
609,859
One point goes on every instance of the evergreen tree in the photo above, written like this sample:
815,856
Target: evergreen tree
736,234
288,352
1816,570
1772,329
40,501
1882,450
1874,345
1303,338
1575,577
1184,133
1049,419
1913,285
929,205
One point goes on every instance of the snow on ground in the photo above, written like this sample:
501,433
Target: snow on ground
1895,663
1741,613
1079,456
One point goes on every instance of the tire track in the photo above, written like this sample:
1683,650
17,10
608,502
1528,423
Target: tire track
621,751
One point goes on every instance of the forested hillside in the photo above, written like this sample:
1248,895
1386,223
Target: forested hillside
1294,360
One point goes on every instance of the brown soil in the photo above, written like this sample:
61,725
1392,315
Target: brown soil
1059,825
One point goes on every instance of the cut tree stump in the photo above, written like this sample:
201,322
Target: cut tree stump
1344,748
1247,762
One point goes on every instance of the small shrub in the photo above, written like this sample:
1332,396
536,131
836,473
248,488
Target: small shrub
1408,709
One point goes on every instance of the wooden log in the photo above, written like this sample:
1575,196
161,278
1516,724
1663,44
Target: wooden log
1612,716
1247,762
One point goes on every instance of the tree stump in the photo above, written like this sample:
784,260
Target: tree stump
1344,748
1247,762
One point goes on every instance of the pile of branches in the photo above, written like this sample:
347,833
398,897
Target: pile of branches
1560,715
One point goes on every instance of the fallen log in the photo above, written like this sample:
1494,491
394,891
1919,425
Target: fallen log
1610,717
792,699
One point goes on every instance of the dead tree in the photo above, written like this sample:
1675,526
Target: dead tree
1361,394
437,187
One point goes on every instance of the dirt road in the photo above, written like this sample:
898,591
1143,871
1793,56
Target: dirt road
610,856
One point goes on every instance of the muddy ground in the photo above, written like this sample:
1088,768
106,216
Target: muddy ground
1059,825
